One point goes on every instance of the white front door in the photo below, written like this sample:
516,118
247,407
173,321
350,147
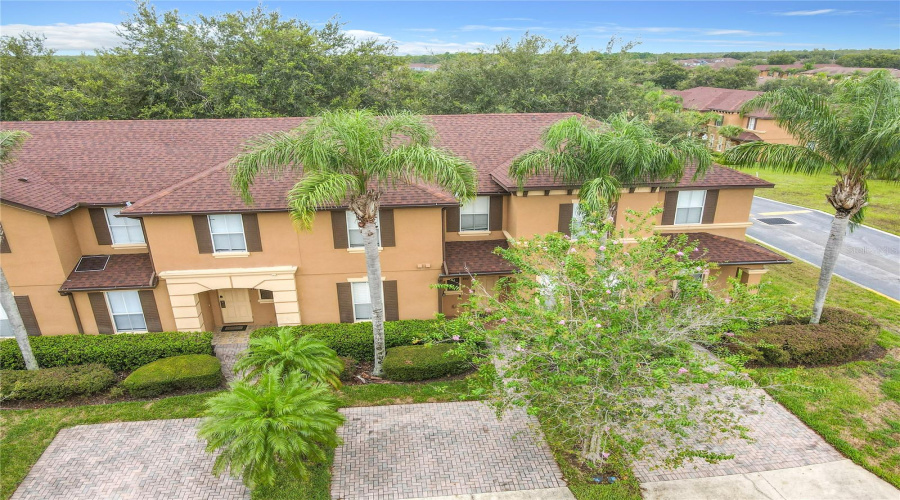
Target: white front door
235,305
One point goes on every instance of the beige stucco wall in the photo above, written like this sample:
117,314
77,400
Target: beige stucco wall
536,213
766,129
481,235
80,219
263,312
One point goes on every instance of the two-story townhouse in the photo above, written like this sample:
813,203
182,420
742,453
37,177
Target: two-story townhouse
133,226
758,125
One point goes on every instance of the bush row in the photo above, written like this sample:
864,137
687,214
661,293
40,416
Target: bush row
423,362
55,384
354,340
840,336
122,352
193,371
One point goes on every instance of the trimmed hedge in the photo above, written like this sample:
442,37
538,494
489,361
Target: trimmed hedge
193,371
55,384
840,336
354,340
122,352
423,362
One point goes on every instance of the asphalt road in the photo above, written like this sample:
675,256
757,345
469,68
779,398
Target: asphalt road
870,257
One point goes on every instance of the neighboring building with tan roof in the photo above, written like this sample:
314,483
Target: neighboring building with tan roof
714,62
841,71
117,226
757,125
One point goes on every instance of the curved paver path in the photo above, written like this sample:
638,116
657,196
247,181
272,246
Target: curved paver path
438,449
153,460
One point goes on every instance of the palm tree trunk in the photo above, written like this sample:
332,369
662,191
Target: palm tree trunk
15,319
373,271
829,260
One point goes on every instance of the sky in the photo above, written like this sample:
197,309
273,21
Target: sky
425,27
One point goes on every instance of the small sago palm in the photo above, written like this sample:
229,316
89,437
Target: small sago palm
277,422
285,354
349,158
603,158
854,133
10,142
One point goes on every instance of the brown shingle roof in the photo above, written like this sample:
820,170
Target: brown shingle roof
729,251
766,67
714,99
748,137
475,257
840,70
127,271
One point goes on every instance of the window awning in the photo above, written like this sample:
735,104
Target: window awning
111,272
729,251
475,257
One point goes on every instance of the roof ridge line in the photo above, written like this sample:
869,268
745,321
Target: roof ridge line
177,185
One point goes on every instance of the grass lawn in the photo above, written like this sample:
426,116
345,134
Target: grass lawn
854,406
810,190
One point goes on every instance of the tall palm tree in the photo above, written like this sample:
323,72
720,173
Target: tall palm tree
853,133
603,158
10,142
350,158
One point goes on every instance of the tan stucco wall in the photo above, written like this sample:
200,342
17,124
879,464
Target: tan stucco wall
81,221
766,129
481,235
263,313
536,213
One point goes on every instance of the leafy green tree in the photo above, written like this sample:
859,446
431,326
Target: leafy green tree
853,133
349,158
285,353
670,120
816,84
668,75
730,131
781,58
871,59
276,422
602,158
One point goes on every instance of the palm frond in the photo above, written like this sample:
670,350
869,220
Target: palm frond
10,142
597,194
808,116
407,125
430,165
317,190
783,157
268,153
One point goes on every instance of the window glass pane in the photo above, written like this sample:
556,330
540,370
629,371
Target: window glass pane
235,223
475,215
363,311
132,301
237,242
126,310
221,242
119,234
354,232
123,230
227,231
361,293
354,237
218,224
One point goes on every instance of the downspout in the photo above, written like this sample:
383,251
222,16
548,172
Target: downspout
443,256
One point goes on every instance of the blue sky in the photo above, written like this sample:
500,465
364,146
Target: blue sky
437,27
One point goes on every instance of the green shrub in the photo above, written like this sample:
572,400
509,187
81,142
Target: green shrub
193,371
840,336
354,340
349,369
423,362
122,352
55,384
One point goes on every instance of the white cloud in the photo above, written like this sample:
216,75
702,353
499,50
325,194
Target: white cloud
819,12
515,19
483,27
720,32
727,42
417,48
367,35
424,30
64,37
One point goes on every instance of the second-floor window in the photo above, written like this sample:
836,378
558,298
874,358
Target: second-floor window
751,123
122,229
126,310
227,231
354,232
690,207
475,215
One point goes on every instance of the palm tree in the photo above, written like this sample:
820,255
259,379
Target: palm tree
10,142
285,353
853,133
350,158
259,427
605,157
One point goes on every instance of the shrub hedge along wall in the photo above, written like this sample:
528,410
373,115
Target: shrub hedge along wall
193,371
422,362
840,336
55,384
354,340
122,352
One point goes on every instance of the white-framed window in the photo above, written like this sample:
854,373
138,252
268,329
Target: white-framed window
354,232
690,207
476,214
127,313
227,232
122,229
362,301
266,296
577,226
719,120
751,123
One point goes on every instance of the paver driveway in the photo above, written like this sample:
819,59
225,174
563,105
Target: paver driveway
430,450
158,459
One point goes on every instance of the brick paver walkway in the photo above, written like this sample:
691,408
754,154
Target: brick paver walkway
158,459
781,441
228,354
429,450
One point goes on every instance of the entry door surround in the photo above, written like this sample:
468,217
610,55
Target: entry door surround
235,305
185,286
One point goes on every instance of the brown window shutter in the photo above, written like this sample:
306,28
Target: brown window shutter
669,206
339,231
251,232
496,222
4,243
709,208
101,228
345,302
453,219
565,218
201,230
386,219
151,313
101,313
391,304
23,303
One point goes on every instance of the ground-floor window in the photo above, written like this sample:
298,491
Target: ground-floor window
126,310
362,301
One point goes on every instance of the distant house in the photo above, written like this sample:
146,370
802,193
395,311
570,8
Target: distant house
714,63
783,70
758,125
423,67
838,71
